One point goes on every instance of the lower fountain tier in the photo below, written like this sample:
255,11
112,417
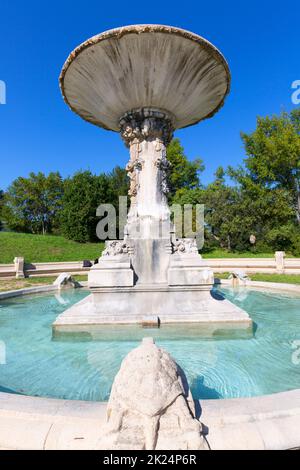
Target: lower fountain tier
152,306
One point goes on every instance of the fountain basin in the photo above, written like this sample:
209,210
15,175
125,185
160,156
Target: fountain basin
218,364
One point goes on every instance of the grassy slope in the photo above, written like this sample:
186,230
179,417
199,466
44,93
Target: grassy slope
43,248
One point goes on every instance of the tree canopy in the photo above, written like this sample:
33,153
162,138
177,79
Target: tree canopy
83,192
255,206
273,156
1,206
32,204
263,204
183,172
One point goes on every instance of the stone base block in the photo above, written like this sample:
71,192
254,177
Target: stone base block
188,276
111,277
111,272
189,270
167,304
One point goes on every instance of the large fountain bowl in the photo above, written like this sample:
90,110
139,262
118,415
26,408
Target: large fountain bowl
151,66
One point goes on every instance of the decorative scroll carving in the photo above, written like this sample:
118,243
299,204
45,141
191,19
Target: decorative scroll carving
164,166
147,132
133,180
115,247
185,245
131,168
146,123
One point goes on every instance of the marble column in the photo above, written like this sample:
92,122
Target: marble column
147,132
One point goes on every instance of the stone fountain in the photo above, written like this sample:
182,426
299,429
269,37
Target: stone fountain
145,81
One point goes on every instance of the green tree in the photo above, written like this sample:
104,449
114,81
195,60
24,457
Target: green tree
219,176
32,204
222,209
1,207
119,186
234,213
269,181
118,183
183,173
222,206
83,193
273,156
286,238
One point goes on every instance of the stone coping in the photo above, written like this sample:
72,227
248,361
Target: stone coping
35,290
227,282
267,422
263,422
27,290
273,286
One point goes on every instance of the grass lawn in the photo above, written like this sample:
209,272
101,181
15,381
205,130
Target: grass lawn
12,284
286,278
218,253
45,248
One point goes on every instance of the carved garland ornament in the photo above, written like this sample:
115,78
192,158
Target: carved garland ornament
164,166
115,247
185,245
146,123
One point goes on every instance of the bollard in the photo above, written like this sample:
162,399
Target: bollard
279,261
19,267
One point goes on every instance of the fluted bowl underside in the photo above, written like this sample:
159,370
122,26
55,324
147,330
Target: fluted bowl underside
145,66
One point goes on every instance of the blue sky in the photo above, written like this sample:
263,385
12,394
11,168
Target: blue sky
260,40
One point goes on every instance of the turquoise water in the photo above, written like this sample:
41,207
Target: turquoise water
78,368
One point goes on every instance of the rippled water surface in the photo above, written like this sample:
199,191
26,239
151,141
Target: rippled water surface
32,363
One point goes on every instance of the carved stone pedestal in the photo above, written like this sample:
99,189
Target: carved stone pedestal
112,273
150,277
113,268
150,245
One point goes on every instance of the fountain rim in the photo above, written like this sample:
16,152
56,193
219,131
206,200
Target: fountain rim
140,29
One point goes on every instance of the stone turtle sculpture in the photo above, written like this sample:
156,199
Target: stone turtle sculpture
150,405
